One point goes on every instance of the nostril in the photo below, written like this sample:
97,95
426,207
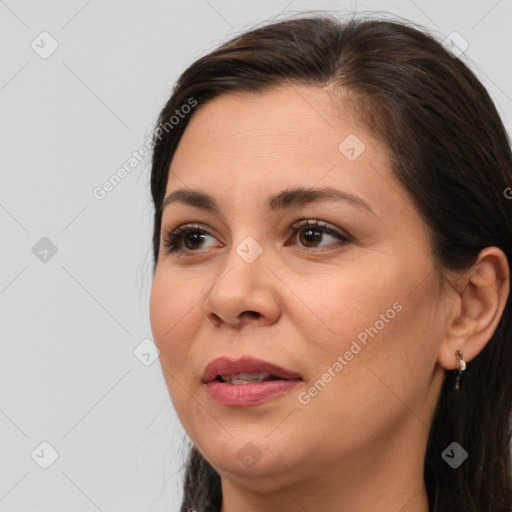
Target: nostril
248,315
214,319
217,320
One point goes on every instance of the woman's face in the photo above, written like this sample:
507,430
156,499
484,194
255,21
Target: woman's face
309,255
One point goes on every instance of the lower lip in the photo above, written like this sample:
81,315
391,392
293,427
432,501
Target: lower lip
245,395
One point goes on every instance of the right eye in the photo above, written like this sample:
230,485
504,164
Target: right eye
187,238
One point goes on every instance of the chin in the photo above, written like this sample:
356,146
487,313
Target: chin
255,454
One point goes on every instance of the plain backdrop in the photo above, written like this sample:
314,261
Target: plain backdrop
81,85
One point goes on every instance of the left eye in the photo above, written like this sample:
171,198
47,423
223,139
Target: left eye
311,234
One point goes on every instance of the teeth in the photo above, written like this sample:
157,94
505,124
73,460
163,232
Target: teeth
245,378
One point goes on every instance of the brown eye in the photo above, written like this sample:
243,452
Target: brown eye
188,239
310,237
193,240
316,234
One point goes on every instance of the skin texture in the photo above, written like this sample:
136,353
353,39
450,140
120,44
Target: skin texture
359,443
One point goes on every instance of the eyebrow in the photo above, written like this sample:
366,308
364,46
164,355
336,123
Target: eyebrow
288,198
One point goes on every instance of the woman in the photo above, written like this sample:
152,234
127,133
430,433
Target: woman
331,281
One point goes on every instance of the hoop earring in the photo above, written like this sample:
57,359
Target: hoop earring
461,368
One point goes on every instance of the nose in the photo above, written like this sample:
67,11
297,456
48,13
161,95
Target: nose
244,293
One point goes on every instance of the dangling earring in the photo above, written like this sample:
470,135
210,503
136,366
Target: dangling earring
460,369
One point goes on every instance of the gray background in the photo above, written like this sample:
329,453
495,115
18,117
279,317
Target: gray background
72,320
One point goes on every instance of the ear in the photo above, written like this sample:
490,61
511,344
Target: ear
476,310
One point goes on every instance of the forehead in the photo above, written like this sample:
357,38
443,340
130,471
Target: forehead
288,135
294,121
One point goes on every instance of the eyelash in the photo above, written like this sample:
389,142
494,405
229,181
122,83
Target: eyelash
172,238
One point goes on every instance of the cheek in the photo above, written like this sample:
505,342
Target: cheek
343,307
383,299
375,331
358,392
174,310
175,313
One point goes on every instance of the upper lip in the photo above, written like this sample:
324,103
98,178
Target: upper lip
246,364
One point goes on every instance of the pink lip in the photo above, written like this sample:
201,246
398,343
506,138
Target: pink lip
244,395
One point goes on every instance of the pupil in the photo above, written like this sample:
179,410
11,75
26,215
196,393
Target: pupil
310,236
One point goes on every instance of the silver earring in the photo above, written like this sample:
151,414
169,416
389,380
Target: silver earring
461,367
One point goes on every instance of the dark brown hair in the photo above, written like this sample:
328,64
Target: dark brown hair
450,151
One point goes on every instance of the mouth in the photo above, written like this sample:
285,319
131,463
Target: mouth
246,370
246,378
247,382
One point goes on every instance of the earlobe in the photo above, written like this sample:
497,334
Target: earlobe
480,306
